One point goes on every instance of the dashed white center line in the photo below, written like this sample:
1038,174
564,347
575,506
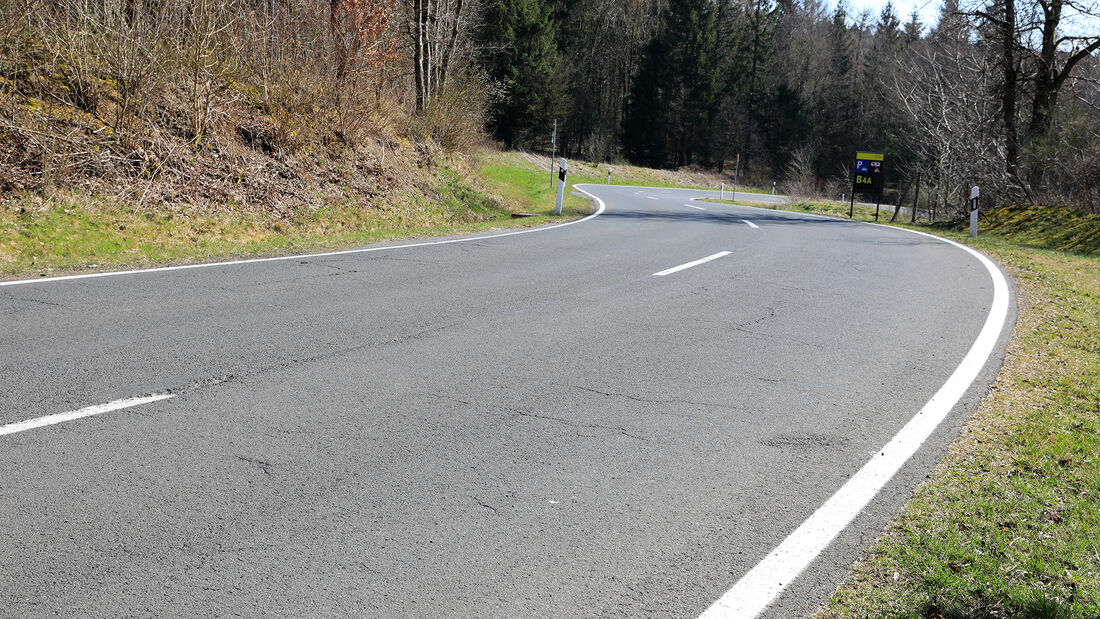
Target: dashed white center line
98,409
651,197
751,225
698,208
693,263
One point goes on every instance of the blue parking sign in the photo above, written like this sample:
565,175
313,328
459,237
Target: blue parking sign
862,166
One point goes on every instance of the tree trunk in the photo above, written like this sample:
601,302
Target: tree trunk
1049,79
420,19
1008,88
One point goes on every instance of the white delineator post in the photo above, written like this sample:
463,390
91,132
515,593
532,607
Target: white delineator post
974,211
563,167
722,192
609,176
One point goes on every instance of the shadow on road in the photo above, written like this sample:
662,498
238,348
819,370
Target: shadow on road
787,218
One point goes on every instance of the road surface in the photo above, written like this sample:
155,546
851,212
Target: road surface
618,417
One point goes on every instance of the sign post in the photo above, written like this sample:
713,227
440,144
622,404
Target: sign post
974,211
868,177
563,167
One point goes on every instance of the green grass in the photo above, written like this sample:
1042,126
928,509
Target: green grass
622,174
78,231
529,188
1008,525
1044,227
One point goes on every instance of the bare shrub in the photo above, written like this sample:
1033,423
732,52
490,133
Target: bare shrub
456,115
941,87
92,92
800,180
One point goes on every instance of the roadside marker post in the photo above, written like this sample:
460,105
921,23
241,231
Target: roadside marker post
608,175
974,211
563,168
722,192
773,188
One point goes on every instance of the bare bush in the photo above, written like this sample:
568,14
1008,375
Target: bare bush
456,115
800,180
942,89
130,86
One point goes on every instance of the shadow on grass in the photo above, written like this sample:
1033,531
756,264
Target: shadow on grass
1042,227
1036,607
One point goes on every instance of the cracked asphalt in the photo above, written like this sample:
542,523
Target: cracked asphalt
530,425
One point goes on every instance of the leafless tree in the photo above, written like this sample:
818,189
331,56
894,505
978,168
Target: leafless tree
942,85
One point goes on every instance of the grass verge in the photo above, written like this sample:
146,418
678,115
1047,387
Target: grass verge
77,231
1008,525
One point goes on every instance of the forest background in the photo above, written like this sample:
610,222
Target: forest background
250,102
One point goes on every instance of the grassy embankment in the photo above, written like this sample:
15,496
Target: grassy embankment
1008,525
78,231
74,230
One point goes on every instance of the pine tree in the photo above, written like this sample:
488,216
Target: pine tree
913,28
518,38
673,103
888,30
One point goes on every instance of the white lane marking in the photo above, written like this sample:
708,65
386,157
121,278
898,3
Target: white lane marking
651,198
751,225
767,580
693,263
361,250
699,208
98,409
599,203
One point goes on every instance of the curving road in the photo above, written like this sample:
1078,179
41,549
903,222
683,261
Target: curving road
618,417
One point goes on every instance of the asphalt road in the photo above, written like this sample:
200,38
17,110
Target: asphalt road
528,425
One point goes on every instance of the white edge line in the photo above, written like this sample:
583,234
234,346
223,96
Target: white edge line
751,225
361,250
768,579
98,409
699,208
693,263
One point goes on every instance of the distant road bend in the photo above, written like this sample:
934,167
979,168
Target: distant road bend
624,416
